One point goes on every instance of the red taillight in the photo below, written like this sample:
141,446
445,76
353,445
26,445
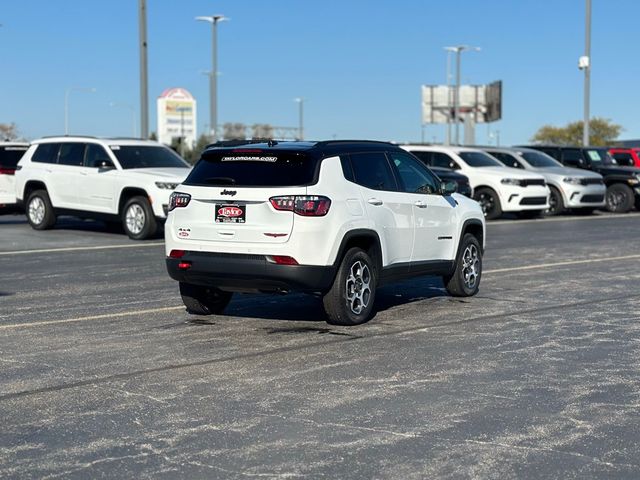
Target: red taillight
7,171
184,265
282,260
178,200
305,205
176,254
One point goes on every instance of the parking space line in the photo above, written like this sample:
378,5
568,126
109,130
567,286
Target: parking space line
560,264
78,249
93,317
562,219
181,307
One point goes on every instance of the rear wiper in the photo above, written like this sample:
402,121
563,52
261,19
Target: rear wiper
220,180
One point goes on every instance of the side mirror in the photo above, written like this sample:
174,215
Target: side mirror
447,188
105,165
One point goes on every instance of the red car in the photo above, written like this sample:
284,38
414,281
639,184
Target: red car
626,157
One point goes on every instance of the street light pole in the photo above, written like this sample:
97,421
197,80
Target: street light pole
587,75
66,103
300,101
456,99
213,79
144,76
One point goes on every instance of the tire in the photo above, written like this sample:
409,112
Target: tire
556,204
619,198
489,202
462,283
201,300
138,220
39,210
530,214
352,295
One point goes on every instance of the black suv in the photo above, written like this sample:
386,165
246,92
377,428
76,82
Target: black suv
623,183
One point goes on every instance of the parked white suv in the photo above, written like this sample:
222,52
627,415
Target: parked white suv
580,190
117,180
338,218
10,154
497,188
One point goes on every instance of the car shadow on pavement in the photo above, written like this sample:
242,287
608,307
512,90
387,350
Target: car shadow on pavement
308,308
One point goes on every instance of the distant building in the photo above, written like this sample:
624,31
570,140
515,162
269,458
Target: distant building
177,116
627,143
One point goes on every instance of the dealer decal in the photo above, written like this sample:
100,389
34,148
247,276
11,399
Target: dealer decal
249,159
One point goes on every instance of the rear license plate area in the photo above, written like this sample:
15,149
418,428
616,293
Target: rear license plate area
230,213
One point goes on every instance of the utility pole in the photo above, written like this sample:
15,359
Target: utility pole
585,64
300,101
144,76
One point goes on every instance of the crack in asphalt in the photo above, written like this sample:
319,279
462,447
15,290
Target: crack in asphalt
179,366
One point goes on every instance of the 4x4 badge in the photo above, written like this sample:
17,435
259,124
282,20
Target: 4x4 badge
228,192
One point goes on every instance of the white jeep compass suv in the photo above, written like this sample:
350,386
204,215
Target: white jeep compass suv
338,218
10,154
496,187
117,180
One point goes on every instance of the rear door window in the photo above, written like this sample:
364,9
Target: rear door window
254,168
71,154
372,170
46,153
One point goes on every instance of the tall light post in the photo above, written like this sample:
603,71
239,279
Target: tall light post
584,63
66,103
144,76
449,50
213,78
456,105
300,102
133,114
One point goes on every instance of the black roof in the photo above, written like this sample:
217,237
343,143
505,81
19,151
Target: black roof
324,148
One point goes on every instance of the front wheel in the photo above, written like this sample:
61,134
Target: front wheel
619,198
350,300
201,300
138,220
556,204
489,202
39,210
465,279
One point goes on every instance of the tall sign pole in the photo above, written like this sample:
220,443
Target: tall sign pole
144,77
586,62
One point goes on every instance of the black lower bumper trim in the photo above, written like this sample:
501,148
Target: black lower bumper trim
236,272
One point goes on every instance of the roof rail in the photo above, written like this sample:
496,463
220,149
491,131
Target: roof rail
339,142
67,135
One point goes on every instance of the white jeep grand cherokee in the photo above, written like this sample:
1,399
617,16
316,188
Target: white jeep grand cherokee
116,180
338,218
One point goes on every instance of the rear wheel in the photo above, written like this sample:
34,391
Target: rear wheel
465,279
138,220
39,210
556,204
619,198
350,300
489,202
201,300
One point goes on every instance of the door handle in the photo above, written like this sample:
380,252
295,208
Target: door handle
375,201
420,204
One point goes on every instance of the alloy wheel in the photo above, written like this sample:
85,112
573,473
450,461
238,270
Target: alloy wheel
470,266
135,218
36,210
358,287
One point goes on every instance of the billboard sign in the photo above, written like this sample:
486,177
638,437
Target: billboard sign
483,103
176,116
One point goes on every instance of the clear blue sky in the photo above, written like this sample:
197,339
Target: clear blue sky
358,63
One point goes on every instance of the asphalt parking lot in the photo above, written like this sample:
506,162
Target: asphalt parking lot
104,374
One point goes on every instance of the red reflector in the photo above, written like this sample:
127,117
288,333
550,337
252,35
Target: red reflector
7,171
284,260
184,265
176,254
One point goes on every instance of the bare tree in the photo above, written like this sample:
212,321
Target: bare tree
8,131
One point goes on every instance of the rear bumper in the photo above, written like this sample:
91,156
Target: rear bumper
8,199
239,272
